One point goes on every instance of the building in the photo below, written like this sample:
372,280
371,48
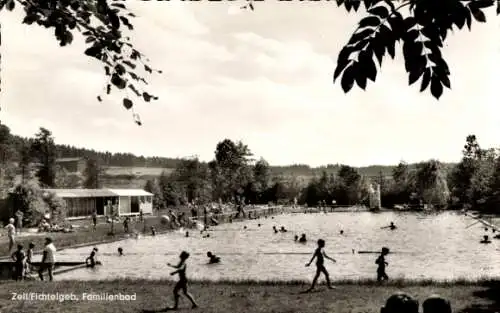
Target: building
72,165
80,203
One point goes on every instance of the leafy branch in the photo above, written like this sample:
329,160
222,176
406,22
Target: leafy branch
101,24
422,34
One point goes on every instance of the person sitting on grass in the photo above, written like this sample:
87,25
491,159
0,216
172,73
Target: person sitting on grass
399,303
91,259
11,233
320,255
436,304
381,274
213,258
182,284
19,258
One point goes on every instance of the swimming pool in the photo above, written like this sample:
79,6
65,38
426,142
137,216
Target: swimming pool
438,246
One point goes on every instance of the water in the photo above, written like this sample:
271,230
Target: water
424,246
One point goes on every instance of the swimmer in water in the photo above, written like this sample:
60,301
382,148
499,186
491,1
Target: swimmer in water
187,234
486,239
120,251
303,238
296,238
341,232
212,258
91,259
244,227
391,226
283,229
275,230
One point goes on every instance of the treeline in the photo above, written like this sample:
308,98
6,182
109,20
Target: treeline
231,177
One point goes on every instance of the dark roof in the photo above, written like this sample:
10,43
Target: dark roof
92,193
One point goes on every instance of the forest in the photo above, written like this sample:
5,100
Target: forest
29,165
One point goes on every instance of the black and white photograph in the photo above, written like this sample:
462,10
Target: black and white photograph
253,156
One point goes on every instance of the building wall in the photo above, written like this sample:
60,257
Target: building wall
124,205
79,207
146,204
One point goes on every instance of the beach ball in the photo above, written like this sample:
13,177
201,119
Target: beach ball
165,219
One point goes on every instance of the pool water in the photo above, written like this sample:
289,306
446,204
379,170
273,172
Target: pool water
438,246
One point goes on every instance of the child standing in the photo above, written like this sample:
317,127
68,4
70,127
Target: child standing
19,258
182,284
29,258
381,274
320,255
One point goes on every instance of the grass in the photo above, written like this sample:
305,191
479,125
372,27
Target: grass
351,296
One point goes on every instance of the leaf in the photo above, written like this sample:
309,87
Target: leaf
118,81
129,64
370,21
347,81
481,4
436,87
146,96
446,81
361,35
30,19
90,39
425,80
127,103
367,66
11,5
479,15
379,11
416,74
114,20
118,5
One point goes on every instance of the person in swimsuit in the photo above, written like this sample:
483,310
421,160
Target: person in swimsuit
320,255
182,284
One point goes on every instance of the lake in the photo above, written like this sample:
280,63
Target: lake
437,246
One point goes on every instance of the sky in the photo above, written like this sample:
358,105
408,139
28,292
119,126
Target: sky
263,77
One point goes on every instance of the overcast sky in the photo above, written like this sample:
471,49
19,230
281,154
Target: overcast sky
264,77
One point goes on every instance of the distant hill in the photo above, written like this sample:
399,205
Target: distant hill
126,168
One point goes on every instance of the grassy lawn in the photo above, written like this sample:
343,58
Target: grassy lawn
349,297
85,234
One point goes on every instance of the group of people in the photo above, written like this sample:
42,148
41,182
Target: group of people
24,263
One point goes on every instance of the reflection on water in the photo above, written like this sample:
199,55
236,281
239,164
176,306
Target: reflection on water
423,246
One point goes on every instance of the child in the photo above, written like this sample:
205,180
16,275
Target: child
213,258
29,258
320,256
11,232
125,224
153,231
381,274
182,284
91,261
19,258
